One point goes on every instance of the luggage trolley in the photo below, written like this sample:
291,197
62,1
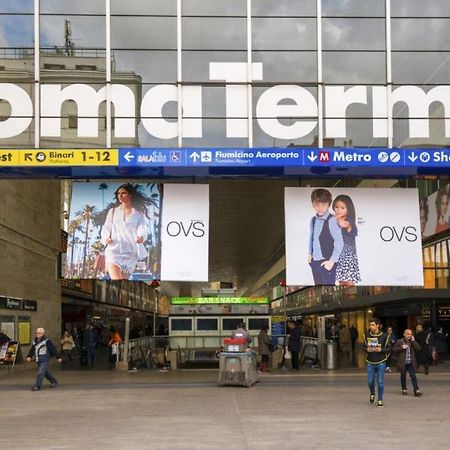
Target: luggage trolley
237,364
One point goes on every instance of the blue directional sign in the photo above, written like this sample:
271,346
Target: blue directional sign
284,157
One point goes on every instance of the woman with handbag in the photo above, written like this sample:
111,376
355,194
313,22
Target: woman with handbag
125,231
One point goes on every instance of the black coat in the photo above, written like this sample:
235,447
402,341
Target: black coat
422,354
294,340
401,353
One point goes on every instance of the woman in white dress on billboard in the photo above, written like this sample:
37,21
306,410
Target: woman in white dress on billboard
124,231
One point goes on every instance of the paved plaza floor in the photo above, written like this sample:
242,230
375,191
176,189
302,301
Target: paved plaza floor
312,409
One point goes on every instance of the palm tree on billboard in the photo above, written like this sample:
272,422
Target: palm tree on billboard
86,216
74,227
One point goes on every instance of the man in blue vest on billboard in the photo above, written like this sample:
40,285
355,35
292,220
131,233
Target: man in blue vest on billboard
42,350
325,240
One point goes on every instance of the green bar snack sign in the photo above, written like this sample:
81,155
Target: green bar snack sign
219,300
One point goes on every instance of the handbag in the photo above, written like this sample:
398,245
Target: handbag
287,354
99,262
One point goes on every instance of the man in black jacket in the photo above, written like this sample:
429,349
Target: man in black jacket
377,347
42,350
406,349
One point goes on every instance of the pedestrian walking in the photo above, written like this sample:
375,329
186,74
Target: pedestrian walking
441,344
406,349
90,341
42,349
377,348
393,339
67,346
424,353
264,346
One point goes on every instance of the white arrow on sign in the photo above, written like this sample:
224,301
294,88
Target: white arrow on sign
312,157
194,156
128,156
412,157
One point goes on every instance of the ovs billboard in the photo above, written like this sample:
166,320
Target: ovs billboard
353,237
143,232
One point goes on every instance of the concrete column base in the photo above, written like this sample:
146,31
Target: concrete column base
122,366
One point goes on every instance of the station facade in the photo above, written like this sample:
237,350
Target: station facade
210,83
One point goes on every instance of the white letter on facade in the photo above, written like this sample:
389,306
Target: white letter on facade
21,110
152,115
268,110
236,95
337,100
418,103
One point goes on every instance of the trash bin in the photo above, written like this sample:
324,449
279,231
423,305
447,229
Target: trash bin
329,356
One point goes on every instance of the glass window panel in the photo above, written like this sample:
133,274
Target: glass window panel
258,323
436,139
144,7
284,34
214,135
353,34
16,30
143,33
16,64
181,324
22,6
80,65
207,324
211,33
365,8
420,34
214,7
421,68
86,32
358,68
419,8
231,323
196,64
72,7
285,8
359,133
150,66
288,66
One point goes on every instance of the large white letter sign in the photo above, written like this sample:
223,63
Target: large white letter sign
21,110
236,95
337,100
269,109
152,116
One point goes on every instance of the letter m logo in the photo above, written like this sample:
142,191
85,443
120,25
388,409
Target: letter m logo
324,157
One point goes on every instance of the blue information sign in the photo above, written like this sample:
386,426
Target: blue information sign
283,157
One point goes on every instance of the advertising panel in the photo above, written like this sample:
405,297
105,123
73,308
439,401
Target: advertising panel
114,231
434,212
352,237
185,232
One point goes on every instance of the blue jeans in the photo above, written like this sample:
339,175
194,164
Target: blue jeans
43,372
378,370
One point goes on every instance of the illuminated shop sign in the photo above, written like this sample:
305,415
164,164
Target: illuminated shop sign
218,300
274,104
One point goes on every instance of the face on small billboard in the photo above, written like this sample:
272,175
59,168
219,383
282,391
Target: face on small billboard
349,237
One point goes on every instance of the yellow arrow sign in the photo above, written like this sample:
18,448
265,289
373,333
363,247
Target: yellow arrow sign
60,157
